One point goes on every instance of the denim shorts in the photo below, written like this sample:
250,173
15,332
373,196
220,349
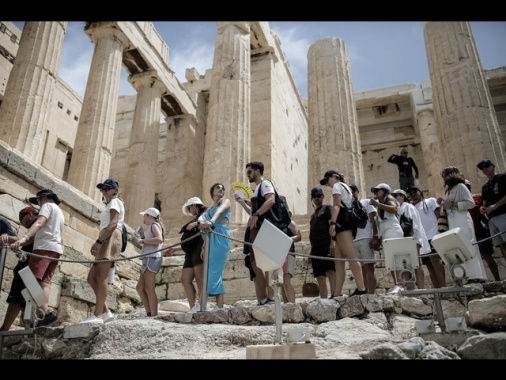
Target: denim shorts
153,264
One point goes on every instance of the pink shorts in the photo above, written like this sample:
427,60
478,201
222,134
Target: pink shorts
43,269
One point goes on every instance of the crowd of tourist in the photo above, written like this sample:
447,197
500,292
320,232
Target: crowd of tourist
336,240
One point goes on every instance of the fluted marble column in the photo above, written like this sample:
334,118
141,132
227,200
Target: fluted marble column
29,91
228,122
431,148
334,139
183,166
94,139
463,109
142,173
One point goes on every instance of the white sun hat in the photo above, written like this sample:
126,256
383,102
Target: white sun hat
189,202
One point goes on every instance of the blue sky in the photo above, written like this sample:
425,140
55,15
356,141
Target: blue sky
381,53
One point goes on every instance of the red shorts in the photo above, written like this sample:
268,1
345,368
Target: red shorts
43,269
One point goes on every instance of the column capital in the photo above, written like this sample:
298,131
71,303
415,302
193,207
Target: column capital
99,30
148,78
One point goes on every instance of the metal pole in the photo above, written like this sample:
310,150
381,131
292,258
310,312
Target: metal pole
274,279
203,296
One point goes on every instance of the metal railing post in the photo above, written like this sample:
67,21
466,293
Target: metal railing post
203,296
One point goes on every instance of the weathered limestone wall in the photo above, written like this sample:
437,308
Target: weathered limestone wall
279,125
8,51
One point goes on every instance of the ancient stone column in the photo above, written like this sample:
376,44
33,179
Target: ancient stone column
228,121
139,190
334,139
431,148
463,109
29,91
182,176
93,146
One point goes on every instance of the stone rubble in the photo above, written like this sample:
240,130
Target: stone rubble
358,327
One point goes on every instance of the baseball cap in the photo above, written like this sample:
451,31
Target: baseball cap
484,163
109,182
404,150
328,174
151,212
25,211
45,193
316,190
381,186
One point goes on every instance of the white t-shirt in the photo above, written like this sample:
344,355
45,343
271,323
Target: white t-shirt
366,232
49,237
267,188
105,216
428,217
345,195
418,231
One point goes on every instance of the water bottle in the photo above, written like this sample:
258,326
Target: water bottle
139,232
110,278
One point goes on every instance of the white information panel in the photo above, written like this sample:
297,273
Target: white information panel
271,247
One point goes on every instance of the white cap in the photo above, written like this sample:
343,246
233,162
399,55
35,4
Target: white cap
189,202
380,186
151,212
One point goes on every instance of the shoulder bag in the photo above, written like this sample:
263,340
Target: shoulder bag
310,289
442,221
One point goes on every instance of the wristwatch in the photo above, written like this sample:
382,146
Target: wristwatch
256,214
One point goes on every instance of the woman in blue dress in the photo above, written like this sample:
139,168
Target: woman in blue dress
217,217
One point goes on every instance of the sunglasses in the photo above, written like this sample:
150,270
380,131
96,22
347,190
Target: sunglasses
485,166
316,196
104,188
220,187
248,172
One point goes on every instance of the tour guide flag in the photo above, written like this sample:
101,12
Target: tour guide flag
242,190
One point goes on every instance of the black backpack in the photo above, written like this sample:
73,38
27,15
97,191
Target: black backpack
124,238
358,213
279,214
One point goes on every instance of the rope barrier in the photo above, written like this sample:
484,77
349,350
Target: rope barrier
203,232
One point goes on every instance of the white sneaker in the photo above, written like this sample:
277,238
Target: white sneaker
108,316
195,308
93,319
216,308
396,289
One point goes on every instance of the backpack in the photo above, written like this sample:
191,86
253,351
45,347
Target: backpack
124,238
406,224
358,213
279,214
